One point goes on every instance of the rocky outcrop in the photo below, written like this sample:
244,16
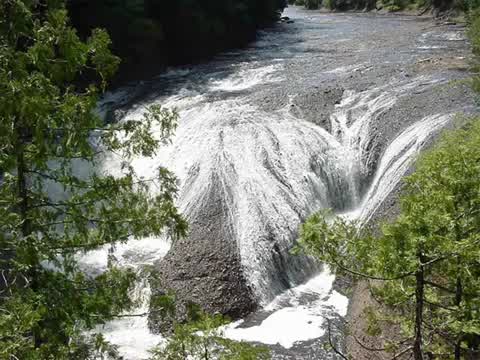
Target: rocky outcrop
205,267
316,104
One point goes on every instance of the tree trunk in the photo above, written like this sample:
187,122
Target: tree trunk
419,295
184,351
22,189
205,355
23,208
458,300
458,288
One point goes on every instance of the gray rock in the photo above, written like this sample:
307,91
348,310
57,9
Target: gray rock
315,104
205,268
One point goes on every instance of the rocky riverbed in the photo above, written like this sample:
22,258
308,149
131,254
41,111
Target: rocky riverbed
324,112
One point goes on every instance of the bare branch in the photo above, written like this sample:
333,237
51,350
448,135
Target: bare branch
330,341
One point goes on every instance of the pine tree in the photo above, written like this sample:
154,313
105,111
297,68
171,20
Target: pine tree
201,337
48,128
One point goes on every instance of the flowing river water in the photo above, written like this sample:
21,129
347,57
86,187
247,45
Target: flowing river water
325,112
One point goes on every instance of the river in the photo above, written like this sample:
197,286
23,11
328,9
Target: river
326,112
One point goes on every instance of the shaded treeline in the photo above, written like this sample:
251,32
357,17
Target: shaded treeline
436,6
151,34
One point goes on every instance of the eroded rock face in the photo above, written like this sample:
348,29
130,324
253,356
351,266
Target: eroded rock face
205,267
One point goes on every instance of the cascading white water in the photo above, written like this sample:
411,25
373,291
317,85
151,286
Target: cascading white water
293,319
395,162
267,159
292,322
280,168
277,167
130,334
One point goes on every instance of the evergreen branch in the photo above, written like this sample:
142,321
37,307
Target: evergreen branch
396,356
439,305
371,277
55,179
63,204
438,286
377,349
76,247
54,155
58,180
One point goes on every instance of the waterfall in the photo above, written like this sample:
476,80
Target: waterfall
279,168
395,162
298,314
243,136
347,155
130,334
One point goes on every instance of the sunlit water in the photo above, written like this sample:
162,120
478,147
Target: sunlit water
278,165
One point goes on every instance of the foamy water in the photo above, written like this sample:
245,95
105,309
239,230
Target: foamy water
292,320
277,168
247,78
207,141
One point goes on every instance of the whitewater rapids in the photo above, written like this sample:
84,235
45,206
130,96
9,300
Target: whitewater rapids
328,112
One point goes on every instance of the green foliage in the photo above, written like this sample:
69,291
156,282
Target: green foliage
470,7
394,5
437,6
202,338
312,4
155,32
49,129
198,335
432,247
329,4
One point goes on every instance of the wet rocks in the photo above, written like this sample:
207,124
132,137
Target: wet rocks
286,19
114,115
315,104
205,268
